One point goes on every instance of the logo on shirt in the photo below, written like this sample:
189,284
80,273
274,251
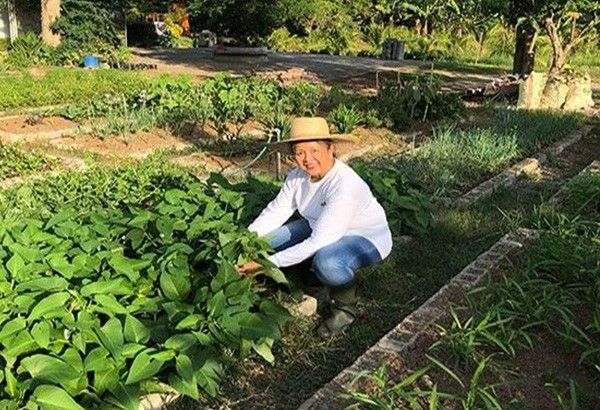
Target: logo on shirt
323,203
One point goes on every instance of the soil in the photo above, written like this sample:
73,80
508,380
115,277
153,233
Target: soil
35,124
138,146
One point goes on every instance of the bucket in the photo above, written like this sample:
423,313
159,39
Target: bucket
91,62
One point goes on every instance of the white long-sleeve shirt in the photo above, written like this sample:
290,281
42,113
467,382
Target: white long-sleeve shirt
340,204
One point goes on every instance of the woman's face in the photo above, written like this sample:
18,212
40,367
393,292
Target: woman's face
316,158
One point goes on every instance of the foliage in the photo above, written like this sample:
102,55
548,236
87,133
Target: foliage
64,85
85,26
131,184
407,208
455,159
304,98
15,161
415,98
28,50
583,195
127,314
345,119
245,21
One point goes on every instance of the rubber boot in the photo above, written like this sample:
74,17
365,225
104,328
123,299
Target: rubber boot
342,311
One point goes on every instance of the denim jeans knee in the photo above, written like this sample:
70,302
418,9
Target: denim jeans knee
336,264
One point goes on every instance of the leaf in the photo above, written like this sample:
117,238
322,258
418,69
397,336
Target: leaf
60,264
264,350
12,327
119,286
175,287
44,284
254,326
111,336
15,264
142,219
128,267
50,369
216,304
97,360
142,368
185,382
110,303
126,397
276,274
54,398
276,312
50,307
41,334
181,342
136,331
190,322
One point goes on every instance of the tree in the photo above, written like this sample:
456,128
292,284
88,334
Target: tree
50,13
479,16
247,21
567,23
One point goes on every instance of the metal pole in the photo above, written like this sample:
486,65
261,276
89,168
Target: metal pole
278,138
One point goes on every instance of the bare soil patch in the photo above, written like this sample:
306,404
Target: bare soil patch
138,146
35,125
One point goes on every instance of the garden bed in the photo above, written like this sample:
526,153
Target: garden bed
138,145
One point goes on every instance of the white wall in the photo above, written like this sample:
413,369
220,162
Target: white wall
3,22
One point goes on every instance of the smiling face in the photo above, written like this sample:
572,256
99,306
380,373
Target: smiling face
314,157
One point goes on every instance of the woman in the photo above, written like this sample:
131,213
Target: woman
343,227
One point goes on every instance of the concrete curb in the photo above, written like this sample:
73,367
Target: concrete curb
510,176
399,341
559,196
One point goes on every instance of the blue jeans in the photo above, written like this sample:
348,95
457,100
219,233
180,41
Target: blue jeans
334,264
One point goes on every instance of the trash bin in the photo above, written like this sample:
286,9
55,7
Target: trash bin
393,49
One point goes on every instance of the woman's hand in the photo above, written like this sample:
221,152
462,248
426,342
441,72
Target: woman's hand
247,268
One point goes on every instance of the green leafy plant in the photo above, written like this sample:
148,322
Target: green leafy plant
28,50
303,98
407,209
98,306
345,119
14,162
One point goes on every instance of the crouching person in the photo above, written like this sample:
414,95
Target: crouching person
343,227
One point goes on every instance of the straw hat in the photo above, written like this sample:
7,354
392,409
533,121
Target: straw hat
306,129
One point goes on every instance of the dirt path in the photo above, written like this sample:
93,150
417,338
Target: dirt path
353,71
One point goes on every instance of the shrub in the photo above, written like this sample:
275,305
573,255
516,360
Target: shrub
85,26
303,98
14,162
415,98
345,119
28,50
407,208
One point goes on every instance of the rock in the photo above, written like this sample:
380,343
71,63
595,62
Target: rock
305,308
530,91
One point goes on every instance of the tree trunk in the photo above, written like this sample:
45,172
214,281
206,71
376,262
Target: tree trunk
480,39
559,53
524,56
50,12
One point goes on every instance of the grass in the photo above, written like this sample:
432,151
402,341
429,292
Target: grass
15,162
65,85
539,300
456,159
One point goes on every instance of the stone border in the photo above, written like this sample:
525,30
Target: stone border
509,176
402,338
559,196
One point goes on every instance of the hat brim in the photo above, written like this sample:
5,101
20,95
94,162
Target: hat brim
340,141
